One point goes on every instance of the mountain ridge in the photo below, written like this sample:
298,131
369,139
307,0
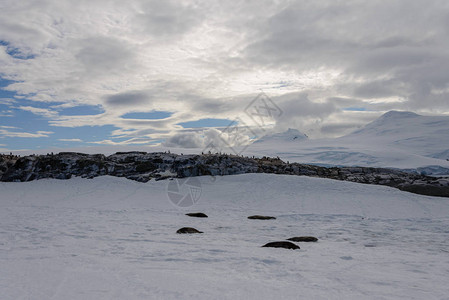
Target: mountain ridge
397,139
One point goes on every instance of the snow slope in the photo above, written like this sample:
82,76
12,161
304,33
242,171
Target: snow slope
291,135
401,140
112,238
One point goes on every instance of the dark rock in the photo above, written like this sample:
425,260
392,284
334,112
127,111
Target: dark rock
142,166
257,217
283,244
188,230
197,215
303,239
145,166
428,189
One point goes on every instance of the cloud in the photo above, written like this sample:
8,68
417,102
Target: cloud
128,99
6,113
101,54
134,141
301,112
70,140
164,19
7,101
38,134
208,60
185,140
48,113
219,139
378,51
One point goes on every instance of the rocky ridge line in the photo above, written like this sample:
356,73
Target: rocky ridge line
142,167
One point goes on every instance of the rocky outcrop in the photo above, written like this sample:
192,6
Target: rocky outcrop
142,166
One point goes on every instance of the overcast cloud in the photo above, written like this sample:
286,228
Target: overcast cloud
331,66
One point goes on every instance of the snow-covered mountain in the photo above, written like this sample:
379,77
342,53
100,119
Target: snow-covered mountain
423,135
402,140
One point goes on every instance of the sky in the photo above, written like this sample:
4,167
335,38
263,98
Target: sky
143,73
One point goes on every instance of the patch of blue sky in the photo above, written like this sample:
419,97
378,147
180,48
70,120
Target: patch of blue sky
85,133
25,121
21,101
354,108
60,137
22,121
4,93
4,82
15,143
37,104
206,123
82,110
152,115
15,52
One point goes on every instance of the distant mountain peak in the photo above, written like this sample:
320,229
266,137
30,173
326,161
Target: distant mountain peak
292,132
393,119
399,114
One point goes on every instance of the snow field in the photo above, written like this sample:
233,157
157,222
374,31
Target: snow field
112,238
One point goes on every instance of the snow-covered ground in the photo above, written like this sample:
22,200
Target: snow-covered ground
112,238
